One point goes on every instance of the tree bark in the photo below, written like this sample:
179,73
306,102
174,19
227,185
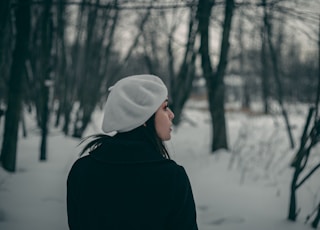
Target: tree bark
10,138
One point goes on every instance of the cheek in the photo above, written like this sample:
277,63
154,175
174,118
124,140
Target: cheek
162,127
160,124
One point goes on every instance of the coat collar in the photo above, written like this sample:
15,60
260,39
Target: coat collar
127,151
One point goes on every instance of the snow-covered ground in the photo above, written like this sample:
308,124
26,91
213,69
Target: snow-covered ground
245,188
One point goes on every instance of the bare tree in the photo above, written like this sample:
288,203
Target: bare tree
68,94
214,80
100,29
310,137
10,138
141,23
61,59
46,72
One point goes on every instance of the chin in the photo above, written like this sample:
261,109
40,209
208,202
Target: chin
166,138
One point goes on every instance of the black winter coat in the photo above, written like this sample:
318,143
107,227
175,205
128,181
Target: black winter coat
128,185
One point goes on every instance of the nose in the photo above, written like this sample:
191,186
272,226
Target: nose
171,114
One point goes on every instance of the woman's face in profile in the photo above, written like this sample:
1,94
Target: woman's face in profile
163,121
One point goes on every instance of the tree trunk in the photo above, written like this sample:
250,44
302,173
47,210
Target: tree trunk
203,15
10,138
4,18
264,63
293,206
62,76
216,101
315,222
244,76
218,116
46,68
6,44
298,168
66,113
214,81
23,124
44,125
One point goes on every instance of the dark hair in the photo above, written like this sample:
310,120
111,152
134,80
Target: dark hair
147,132
151,134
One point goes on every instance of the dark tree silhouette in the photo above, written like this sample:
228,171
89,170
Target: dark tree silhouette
12,117
4,18
46,69
214,79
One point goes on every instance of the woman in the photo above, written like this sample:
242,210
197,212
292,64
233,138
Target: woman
128,181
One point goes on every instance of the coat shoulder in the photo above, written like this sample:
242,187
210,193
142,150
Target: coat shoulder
79,166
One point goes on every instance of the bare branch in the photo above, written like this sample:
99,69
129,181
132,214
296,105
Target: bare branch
308,175
126,6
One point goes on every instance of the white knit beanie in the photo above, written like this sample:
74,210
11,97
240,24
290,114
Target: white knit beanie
132,101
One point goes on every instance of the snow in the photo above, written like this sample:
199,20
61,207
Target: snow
244,188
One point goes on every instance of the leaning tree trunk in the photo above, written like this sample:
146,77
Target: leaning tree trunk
10,138
310,137
315,222
308,140
275,61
